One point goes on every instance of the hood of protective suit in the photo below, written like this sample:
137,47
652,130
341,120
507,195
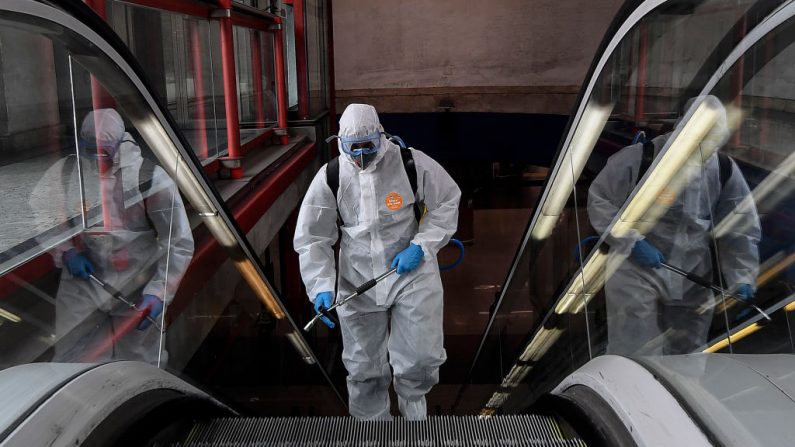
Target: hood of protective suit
106,127
358,122
719,134
103,127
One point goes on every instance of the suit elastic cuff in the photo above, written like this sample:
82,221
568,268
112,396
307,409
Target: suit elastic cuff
428,254
320,287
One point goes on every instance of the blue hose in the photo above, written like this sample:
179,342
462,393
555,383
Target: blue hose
640,137
395,139
460,245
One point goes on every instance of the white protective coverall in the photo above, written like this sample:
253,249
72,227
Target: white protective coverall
644,303
402,315
131,253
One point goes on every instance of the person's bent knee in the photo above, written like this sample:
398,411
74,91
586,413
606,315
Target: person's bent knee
416,383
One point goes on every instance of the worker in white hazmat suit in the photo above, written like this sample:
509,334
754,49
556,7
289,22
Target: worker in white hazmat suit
399,321
651,310
138,240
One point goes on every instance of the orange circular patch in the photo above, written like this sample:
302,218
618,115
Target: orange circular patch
666,197
394,201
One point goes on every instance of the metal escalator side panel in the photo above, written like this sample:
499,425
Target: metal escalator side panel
112,63
71,413
645,407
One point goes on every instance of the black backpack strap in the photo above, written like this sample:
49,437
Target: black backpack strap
333,180
411,173
333,175
146,179
646,159
725,168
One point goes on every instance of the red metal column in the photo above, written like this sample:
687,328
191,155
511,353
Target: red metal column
256,75
281,85
233,160
198,89
640,89
101,99
300,59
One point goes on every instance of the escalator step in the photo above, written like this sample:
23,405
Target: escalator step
459,431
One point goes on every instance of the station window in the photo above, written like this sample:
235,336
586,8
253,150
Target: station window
181,56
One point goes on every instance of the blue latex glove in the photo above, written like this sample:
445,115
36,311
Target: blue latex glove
745,292
647,255
155,307
77,264
408,259
325,300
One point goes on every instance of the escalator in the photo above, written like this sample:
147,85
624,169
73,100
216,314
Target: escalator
461,431
550,379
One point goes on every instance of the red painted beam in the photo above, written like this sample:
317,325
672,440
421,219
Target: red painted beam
208,255
187,7
250,210
26,273
98,6
257,23
259,141
212,167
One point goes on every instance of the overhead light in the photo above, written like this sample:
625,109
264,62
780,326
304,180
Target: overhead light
566,303
172,162
590,280
575,156
775,187
544,226
643,210
498,399
486,413
10,316
516,375
540,344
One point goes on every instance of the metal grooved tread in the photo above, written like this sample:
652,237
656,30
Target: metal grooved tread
459,431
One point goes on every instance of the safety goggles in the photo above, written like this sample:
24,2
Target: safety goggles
90,149
358,146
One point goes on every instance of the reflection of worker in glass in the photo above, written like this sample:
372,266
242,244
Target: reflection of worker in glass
645,301
138,240
399,321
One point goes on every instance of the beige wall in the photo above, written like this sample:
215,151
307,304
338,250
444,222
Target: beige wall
495,55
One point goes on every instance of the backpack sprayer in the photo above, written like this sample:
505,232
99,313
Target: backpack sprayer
333,181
